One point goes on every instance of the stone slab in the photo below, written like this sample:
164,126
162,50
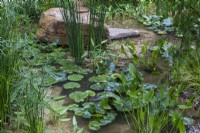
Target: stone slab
119,33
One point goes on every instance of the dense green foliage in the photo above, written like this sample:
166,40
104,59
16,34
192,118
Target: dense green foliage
28,69
74,30
186,17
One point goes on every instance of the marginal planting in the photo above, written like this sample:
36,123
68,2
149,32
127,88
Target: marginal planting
152,87
97,20
74,29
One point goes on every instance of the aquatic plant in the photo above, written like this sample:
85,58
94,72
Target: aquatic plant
10,61
75,77
33,105
79,96
28,7
71,85
9,74
73,29
186,21
149,56
97,20
150,111
187,70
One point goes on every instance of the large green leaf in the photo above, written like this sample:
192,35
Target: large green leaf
98,86
94,125
103,95
84,71
98,79
75,77
108,118
79,96
71,85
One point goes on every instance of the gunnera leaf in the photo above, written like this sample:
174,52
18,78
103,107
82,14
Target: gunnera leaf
79,96
75,77
71,85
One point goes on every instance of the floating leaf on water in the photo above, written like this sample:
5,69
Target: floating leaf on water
75,77
97,79
73,107
71,85
103,95
84,71
49,81
105,104
108,118
86,114
65,62
69,67
98,86
79,96
94,125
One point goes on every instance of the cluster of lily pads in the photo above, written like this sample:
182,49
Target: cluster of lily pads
109,93
126,92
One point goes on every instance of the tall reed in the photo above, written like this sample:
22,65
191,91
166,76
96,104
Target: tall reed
9,68
74,29
97,21
28,7
9,57
33,104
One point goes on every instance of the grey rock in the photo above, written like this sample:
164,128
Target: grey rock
119,33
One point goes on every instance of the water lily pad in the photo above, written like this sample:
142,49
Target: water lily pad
108,118
71,85
49,81
75,77
79,96
73,107
97,79
84,71
98,86
69,67
94,125
106,95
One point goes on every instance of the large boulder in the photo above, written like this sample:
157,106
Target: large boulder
52,25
